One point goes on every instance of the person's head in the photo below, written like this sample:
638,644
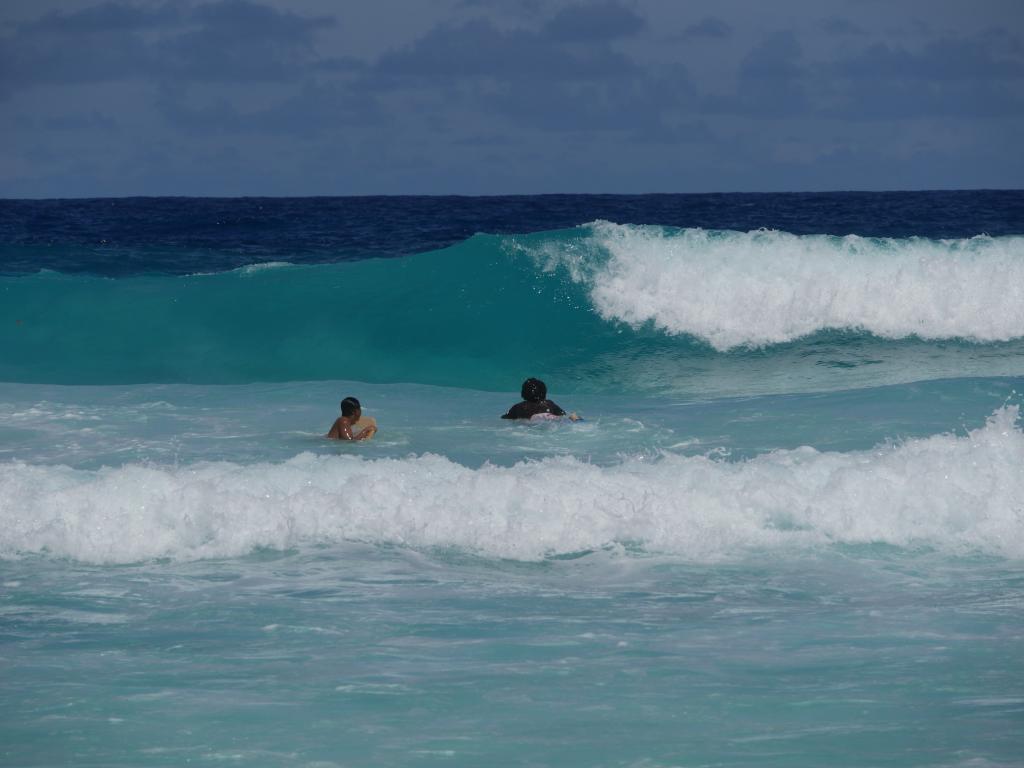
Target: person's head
534,390
351,409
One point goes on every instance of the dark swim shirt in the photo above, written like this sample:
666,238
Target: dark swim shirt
530,408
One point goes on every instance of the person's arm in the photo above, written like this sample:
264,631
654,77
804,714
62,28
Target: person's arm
342,430
557,410
515,412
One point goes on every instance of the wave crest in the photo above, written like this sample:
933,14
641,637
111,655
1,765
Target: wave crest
752,289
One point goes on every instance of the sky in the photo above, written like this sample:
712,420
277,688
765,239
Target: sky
319,97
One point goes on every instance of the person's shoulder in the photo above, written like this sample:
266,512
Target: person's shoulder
517,411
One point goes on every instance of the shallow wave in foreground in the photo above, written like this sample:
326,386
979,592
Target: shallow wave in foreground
959,494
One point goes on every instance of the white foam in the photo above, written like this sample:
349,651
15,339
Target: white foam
959,494
764,287
264,266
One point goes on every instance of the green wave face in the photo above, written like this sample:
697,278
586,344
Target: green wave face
472,315
602,308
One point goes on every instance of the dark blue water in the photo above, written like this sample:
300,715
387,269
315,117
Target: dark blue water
184,235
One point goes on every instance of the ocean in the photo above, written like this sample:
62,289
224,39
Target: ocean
789,530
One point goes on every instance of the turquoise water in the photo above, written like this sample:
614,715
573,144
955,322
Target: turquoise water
597,308
788,532
361,654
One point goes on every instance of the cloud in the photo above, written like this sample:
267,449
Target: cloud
244,18
227,40
709,27
675,133
488,140
947,59
585,108
965,77
81,123
239,40
774,60
519,8
477,49
107,16
593,22
770,82
97,44
969,77
193,96
839,27
311,110
476,79
339,64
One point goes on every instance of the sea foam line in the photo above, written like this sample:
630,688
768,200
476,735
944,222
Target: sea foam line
764,287
962,494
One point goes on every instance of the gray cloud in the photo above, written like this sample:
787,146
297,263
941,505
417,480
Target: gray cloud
96,44
477,49
940,60
635,107
979,76
486,79
105,17
839,27
346,64
775,59
81,123
228,40
234,96
312,110
966,77
593,22
238,40
770,82
520,7
709,27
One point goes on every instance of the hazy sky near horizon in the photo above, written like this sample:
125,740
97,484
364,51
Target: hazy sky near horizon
312,97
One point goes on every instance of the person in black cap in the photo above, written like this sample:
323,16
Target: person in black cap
351,411
536,404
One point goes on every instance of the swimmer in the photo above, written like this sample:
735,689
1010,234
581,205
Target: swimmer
536,404
351,411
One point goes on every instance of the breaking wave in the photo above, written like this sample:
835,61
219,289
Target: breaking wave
594,305
960,494
765,287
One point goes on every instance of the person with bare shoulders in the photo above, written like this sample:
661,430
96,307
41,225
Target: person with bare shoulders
351,412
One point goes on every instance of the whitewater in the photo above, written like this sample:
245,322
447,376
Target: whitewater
959,494
788,531
756,288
